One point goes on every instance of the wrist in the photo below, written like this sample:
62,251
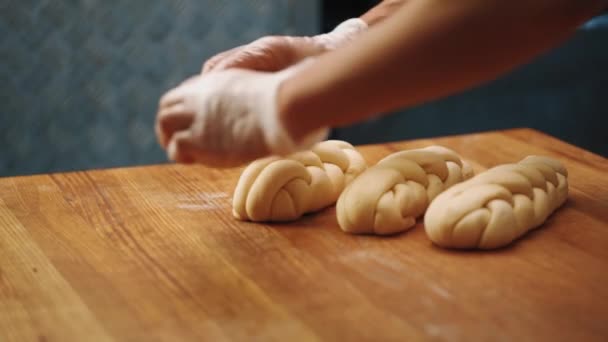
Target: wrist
284,129
287,112
296,118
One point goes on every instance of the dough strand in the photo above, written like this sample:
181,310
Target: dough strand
499,205
388,197
285,188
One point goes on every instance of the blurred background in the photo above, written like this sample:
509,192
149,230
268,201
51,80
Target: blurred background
81,79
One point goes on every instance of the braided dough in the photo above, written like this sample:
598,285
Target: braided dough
388,197
284,189
497,206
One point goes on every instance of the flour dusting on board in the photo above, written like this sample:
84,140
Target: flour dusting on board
46,188
441,291
198,207
443,331
384,260
203,201
383,268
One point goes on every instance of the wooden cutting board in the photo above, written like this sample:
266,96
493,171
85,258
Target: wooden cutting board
153,254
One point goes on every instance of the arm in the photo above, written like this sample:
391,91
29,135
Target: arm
427,50
225,117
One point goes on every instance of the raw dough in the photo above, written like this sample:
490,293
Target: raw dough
284,189
388,197
497,206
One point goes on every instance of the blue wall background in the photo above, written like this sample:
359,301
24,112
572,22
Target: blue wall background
81,80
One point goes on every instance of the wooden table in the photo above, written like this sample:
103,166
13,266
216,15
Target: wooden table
153,254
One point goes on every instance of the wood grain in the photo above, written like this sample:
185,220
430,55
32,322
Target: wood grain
153,254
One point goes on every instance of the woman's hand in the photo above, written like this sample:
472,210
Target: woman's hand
227,118
274,53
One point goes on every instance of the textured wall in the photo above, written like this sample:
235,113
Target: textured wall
81,78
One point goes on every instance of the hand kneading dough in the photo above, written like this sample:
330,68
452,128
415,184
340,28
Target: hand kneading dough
497,206
388,197
283,189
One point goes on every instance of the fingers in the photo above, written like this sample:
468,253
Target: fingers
178,93
172,97
215,119
213,61
268,54
182,148
170,120
210,64
260,62
237,59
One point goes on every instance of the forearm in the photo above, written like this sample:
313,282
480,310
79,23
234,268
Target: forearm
382,11
428,49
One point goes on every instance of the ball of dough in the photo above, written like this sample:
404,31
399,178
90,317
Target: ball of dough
388,197
284,189
497,206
